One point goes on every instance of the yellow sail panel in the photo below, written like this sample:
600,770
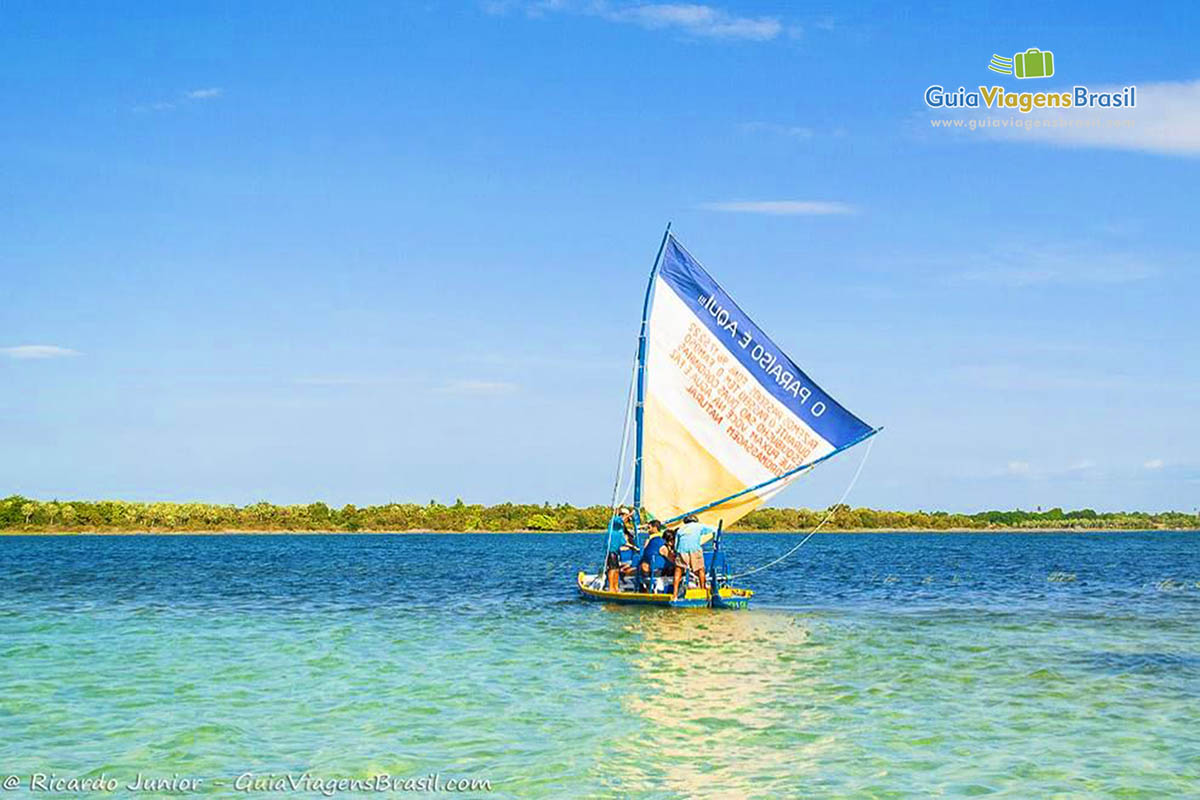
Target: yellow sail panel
730,512
735,508
678,473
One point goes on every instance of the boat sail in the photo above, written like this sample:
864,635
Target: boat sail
723,418
729,419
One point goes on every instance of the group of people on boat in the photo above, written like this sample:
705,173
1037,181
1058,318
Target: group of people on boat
679,550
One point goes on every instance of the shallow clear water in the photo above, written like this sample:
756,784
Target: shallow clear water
1019,665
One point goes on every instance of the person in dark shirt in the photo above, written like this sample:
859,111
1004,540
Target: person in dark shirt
656,545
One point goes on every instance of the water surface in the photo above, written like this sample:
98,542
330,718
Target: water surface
873,665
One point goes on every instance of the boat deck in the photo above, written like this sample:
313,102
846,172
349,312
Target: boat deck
591,588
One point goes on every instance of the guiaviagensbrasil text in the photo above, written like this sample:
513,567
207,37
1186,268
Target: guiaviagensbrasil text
996,97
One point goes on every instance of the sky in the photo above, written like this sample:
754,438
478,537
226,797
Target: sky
375,252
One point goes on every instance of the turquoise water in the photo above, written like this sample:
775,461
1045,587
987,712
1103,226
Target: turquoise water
1013,665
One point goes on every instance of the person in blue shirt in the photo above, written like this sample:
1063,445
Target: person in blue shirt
656,545
620,535
689,550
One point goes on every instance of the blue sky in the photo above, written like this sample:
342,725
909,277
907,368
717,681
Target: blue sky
378,252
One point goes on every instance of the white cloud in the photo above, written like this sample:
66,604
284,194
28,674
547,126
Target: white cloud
338,380
210,93
1154,463
698,20
695,19
792,131
1025,377
1017,468
479,387
31,351
586,362
1037,265
1165,120
781,207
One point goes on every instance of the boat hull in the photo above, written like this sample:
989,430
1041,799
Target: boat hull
727,597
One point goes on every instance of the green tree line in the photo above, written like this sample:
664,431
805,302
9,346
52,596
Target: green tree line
18,514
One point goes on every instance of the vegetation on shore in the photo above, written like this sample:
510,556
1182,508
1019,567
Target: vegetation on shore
20,514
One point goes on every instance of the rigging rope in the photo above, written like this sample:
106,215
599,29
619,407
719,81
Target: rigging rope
624,440
828,515
617,494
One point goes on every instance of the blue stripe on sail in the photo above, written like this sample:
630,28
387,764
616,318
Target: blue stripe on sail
760,356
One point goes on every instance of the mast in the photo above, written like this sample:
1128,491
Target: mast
641,386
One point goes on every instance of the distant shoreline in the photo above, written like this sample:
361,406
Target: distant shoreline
423,532
119,517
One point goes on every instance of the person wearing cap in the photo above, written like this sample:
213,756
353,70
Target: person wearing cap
620,533
689,550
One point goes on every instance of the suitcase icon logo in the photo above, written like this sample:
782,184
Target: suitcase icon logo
1033,63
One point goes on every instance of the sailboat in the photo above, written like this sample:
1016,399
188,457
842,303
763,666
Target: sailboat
723,420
